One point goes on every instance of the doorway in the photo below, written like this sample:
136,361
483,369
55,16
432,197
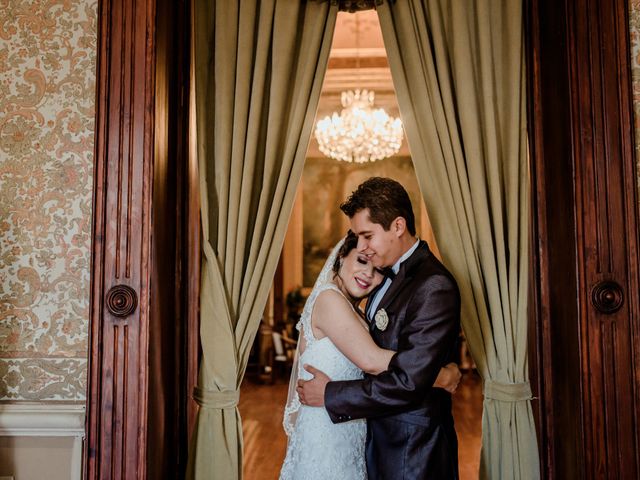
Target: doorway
357,61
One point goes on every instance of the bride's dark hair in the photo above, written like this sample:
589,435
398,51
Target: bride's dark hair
350,242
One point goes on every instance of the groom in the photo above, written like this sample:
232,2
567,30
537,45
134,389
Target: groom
410,430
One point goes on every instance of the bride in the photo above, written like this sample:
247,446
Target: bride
334,338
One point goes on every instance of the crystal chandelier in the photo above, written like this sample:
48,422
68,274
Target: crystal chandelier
359,133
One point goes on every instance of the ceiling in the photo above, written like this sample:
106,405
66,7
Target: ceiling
357,60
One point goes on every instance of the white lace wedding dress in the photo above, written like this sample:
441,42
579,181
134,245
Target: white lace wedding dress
318,448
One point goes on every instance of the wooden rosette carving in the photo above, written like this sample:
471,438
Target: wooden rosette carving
122,301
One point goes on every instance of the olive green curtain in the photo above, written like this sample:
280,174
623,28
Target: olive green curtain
258,67
458,70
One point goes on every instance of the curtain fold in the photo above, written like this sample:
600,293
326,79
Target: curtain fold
458,71
258,68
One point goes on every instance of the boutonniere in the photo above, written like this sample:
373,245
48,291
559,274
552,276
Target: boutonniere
382,319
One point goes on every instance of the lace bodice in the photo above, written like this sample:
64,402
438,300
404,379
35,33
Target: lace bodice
319,449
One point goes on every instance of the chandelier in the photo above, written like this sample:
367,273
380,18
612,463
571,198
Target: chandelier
359,133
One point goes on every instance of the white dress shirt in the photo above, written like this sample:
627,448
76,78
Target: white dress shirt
377,298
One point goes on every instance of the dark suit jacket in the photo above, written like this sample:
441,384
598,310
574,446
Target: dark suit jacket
410,426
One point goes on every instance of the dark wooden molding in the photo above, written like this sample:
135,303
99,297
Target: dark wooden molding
117,377
194,236
554,370
607,233
193,228
168,394
143,257
585,311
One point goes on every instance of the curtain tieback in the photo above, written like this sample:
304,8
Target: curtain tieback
216,399
507,392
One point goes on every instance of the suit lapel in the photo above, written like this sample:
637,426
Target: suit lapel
406,272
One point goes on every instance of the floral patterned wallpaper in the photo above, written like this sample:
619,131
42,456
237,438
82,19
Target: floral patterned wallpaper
47,96
634,27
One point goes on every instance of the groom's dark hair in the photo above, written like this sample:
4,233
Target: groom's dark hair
386,200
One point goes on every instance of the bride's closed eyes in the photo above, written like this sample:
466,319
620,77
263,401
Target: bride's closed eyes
363,260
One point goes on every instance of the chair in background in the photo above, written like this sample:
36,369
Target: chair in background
283,352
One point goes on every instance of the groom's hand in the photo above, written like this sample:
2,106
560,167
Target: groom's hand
449,378
311,392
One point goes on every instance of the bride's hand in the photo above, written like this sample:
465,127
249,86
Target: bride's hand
448,378
311,392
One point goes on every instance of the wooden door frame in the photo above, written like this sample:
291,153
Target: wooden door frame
117,374
140,102
123,232
584,310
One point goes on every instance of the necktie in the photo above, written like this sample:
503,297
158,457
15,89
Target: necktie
388,273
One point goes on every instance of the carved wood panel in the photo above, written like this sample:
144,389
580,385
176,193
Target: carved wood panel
607,234
120,259
585,307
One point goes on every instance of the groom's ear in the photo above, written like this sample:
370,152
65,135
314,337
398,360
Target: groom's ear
399,226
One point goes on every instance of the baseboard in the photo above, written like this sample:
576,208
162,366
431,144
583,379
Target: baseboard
46,420
43,420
